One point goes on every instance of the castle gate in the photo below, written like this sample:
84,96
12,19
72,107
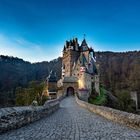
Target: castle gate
70,91
70,86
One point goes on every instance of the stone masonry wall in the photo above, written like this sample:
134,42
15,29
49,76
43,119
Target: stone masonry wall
15,117
129,119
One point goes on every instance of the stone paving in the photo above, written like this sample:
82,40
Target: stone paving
72,122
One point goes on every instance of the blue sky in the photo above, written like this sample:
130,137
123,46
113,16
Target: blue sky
36,30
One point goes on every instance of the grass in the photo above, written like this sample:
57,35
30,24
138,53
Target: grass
99,100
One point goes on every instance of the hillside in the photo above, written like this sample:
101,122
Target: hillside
15,72
118,71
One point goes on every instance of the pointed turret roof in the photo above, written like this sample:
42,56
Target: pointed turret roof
64,49
84,45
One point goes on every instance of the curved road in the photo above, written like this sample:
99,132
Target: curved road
72,122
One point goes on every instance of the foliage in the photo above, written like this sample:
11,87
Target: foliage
99,99
125,101
15,72
117,71
34,103
26,96
44,99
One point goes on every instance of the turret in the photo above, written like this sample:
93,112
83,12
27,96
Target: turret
52,85
70,55
84,46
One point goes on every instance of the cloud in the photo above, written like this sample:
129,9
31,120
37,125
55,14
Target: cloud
29,51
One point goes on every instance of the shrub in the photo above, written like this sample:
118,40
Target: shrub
99,99
125,101
26,96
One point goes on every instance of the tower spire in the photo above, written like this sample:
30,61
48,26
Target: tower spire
84,36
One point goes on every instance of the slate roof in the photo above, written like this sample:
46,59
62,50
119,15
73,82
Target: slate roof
84,46
71,79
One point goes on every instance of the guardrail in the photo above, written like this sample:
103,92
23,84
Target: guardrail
129,119
16,117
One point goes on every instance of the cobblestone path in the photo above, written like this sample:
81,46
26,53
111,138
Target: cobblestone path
72,122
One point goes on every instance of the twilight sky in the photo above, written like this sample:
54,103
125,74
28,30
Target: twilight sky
36,30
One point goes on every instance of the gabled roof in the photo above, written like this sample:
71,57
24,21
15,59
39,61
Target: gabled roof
84,43
84,46
64,49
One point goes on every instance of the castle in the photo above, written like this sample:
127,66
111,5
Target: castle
80,74
79,70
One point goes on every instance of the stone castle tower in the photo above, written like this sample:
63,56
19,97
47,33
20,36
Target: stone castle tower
70,55
79,70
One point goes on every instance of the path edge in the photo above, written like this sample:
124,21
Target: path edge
128,119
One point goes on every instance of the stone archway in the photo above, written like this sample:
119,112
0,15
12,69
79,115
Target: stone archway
70,85
70,91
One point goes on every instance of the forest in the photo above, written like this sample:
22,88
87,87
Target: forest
119,71
15,72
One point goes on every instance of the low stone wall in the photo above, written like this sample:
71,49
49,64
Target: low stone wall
15,117
83,95
129,119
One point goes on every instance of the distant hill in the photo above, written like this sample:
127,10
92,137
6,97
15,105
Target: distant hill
15,72
120,71
117,71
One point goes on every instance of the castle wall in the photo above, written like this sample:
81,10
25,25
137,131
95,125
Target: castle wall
83,94
97,85
136,98
84,84
76,70
97,82
60,93
52,86
69,57
85,81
